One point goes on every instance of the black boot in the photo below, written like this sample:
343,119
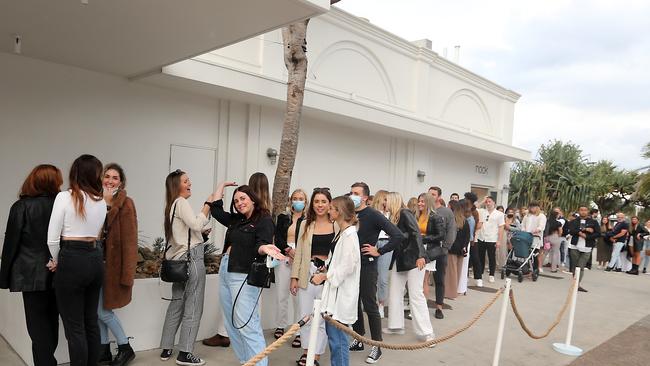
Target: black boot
124,355
105,357
634,270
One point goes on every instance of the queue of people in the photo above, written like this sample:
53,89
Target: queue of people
73,255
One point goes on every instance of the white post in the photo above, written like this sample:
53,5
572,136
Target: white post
502,323
566,347
313,334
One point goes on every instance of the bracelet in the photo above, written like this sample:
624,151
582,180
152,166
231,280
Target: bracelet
207,203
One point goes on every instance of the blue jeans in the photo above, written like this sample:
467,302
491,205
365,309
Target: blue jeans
108,320
383,262
248,341
339,345
616,255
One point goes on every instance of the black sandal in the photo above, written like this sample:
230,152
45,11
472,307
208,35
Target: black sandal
302,361
296,342
279,332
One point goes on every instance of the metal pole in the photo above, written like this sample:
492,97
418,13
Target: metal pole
566,347
313,334
502,323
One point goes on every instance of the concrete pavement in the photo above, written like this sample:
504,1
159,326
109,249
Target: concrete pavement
615,301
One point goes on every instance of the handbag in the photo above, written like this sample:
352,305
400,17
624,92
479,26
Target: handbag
259,275
176,270
435,251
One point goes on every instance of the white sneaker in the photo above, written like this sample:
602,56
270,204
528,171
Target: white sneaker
491,279
479,283
381,311
541,270
430,338
399,331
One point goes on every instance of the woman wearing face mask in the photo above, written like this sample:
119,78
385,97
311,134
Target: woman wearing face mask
183,226
248,239
120,260
286,231
314,245
406,269
342,273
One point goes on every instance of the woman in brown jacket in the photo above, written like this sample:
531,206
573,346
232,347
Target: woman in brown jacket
120,259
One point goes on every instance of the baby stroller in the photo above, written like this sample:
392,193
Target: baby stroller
521,257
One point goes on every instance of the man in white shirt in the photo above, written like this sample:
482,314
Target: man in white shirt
489,238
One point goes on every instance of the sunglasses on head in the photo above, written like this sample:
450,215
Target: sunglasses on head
319,189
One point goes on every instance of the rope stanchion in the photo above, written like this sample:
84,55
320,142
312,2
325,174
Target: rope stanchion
502,324
558,318
414,346
279,342
566,347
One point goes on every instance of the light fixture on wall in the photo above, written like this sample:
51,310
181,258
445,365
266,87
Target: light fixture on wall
421,175
505,188
272,154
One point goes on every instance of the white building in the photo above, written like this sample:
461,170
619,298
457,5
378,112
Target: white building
92,79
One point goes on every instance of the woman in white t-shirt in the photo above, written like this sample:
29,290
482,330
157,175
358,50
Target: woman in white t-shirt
77,217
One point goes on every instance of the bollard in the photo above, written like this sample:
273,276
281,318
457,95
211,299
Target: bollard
313,334
566,347
502,323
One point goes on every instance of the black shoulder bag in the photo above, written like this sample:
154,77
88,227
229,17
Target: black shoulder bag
176,270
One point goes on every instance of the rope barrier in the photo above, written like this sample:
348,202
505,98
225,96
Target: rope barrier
414,346
278,343
558,318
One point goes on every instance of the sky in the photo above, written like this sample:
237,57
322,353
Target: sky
582,66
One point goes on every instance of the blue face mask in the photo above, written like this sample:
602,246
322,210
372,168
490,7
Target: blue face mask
298,206
356,199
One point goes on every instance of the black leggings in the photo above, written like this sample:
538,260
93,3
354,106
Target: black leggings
42,318
439,279
77,282
368,298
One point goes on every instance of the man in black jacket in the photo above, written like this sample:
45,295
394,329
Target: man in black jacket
371,223
584,231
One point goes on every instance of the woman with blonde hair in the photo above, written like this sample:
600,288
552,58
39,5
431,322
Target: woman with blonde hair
383,262
406,268
412,205
287,229
432,229
314,244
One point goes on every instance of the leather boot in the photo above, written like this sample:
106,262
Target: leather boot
217,341
105,357
124,355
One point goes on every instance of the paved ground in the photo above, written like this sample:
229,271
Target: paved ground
612,324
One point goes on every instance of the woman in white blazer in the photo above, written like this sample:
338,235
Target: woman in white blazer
341,291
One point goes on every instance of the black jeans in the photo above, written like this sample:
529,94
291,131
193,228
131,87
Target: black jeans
479,260
439,279
42,318
77,282
368,298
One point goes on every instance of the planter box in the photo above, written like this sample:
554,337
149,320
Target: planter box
142,319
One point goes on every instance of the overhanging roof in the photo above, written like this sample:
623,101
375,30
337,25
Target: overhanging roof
134,37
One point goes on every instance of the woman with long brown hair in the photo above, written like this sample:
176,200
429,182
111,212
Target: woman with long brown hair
77,217
458,249
120,259
603,246
314,244
182,230
24,258
248,239
259,183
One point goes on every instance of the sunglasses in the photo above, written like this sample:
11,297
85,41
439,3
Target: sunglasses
319,189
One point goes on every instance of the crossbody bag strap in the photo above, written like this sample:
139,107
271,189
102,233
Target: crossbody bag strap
189,238
167,246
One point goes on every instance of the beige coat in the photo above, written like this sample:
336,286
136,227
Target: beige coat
302,259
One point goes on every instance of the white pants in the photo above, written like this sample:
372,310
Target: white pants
282,283
417,302
306,299
462,281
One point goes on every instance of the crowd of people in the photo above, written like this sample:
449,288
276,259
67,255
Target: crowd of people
73,255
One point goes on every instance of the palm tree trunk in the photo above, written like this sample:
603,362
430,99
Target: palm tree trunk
295,59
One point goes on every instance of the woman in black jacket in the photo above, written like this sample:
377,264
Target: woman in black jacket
458,249
406,268
25,255
432,227
248,239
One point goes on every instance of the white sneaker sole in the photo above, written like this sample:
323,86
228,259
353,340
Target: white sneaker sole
190,363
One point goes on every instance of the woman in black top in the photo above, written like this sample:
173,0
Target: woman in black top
458,249
248,238
25,255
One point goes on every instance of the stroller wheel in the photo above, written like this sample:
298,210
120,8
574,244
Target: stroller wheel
520,277
507,273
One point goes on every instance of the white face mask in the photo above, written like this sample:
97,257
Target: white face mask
356,199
